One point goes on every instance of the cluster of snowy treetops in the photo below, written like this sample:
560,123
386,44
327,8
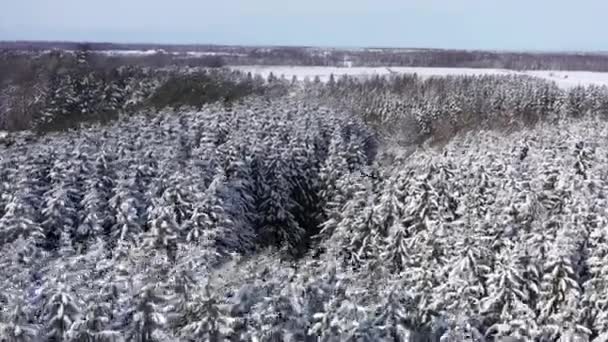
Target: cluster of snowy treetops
440,106
111,232
271,220
62,92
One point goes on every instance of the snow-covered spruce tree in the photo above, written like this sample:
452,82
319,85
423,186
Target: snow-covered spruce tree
59,213
164,230
94,325
126,208
446,188
352,197
89,274
422,204
422,314
465,285
302,157
139,284
460,329
145,314
18,221
126,227
181,284
278,226
279,317
425,233
60,100
483,194
113,96
333,168
94,220
177,196
392,319
391,203
14,326
205,318
560,291
340,317
350,235
365,237
22,262
584,158
319,286
595,296
505,307
262,276
574,102
213,227
60,312
31,181
397,250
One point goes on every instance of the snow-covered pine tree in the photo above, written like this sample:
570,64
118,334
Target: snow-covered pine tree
277,318
345,204
365,240
505,307
392,320
59,214
595,296
164,231
60,312
126,227
396,251
560,291
214,227
460,329
14,327
466,272
205,317
177,196
339,318
146,314
391,203
334,167
278,226
18,222
94,325
95,212
584,158
126,207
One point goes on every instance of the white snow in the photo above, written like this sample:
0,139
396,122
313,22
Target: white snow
564,79
130,52
194,54
212,53
569,79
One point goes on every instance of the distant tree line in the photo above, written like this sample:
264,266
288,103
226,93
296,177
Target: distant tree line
285,55
59,90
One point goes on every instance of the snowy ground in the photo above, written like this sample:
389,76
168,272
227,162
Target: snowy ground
569,79
196,54
564,79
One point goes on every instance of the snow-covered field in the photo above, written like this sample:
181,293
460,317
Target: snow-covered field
564,79
196,54
569,79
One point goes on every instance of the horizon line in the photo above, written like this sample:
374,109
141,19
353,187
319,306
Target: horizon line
306,46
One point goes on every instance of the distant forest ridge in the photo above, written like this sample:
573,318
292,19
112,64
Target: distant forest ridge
317,56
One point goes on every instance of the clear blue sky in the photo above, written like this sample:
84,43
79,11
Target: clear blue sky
468,24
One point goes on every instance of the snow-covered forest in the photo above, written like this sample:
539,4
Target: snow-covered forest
386,209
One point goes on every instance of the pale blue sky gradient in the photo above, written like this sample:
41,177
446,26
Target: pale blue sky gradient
468,24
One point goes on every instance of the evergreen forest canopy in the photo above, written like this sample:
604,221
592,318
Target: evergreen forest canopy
383,209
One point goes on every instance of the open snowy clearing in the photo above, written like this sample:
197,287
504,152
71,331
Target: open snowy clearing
564,79
138,53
